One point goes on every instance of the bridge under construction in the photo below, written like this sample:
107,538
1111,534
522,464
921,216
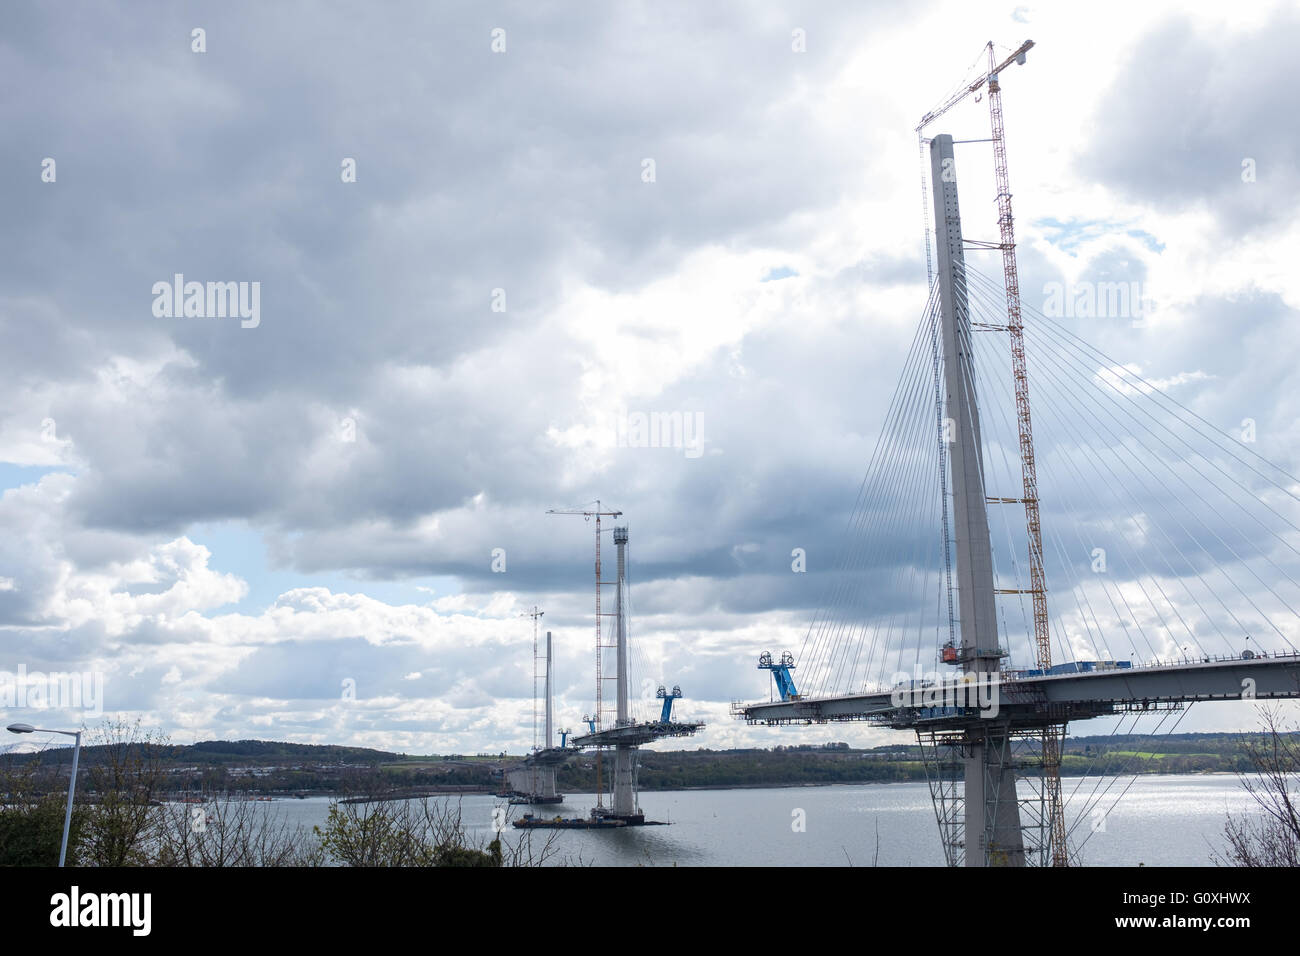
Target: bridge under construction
623,735
534,781
1196,528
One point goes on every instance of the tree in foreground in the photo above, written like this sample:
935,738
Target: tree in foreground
231,829
125,777
372,830
1268,835
33,800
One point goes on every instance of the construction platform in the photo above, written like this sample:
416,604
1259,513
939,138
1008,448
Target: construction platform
532,799
634,735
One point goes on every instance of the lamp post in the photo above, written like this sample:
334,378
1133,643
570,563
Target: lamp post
72,780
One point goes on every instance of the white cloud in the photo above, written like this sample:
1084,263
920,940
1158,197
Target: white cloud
467,424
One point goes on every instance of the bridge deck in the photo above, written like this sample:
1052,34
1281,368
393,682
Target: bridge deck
1051,698
634,735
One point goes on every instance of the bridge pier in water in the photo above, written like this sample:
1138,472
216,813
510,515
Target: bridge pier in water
990,786
624,754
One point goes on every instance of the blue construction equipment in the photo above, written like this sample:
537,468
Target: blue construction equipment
590,722
668,699
781,672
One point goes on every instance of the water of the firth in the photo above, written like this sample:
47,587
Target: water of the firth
1161,821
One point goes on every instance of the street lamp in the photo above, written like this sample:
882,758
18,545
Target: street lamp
72,780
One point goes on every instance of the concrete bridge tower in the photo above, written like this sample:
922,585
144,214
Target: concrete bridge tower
993,834
624,754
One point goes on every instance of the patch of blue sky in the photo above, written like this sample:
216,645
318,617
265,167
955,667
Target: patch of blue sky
15,476
241,550
1150,241
1068,236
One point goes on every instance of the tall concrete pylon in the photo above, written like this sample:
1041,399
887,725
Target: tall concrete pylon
546,743
992,812
624,755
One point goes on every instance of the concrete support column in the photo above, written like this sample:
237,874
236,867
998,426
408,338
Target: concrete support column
546,741
620,542
993,834
624,797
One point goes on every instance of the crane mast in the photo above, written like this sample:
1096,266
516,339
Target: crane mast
1052,735
535,613
588,514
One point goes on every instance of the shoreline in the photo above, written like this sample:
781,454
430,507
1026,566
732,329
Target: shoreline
420,793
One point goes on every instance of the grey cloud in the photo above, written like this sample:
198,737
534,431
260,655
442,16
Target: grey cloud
1180,118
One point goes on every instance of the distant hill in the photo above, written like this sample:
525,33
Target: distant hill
271,751
219,753
283,768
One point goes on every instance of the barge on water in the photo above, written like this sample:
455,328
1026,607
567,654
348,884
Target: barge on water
530,822
597,821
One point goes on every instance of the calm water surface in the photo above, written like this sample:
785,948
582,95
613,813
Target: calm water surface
1160,821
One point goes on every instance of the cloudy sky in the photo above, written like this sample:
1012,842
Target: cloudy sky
563,216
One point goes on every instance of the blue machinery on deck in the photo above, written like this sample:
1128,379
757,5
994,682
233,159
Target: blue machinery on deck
781,673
